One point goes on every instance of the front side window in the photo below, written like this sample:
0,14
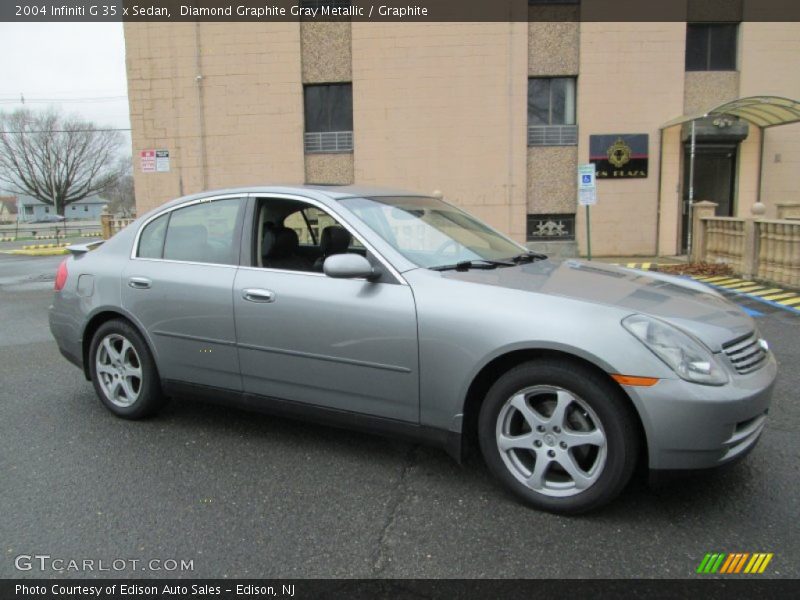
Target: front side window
551,101
429,232
295,236
711,47
206,232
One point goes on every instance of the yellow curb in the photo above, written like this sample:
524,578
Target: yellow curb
738,284
710,279
789,301
727,281
39,251
750,288
42,246
767,292
780,296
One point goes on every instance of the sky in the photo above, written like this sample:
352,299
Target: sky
77,67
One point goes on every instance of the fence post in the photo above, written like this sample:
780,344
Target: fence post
105,222
700,210
751,246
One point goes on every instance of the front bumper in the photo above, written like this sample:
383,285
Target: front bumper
691,426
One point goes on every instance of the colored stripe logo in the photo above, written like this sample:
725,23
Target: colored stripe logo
733,563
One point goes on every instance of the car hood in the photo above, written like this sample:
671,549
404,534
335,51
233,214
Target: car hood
687,304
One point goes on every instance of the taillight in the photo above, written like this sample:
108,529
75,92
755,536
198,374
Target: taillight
61,275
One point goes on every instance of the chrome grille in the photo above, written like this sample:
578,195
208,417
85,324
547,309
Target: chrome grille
747,353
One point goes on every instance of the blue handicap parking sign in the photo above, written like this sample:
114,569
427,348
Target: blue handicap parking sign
587,179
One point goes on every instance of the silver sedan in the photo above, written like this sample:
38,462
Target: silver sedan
397,313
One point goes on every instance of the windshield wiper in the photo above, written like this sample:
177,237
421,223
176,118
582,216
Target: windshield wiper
528,257
481,263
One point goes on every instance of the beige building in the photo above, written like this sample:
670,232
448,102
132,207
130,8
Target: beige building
496,116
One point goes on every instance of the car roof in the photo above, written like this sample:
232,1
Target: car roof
335,192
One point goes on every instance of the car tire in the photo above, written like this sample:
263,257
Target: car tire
123,371
559,435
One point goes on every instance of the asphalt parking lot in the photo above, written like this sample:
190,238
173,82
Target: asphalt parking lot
244,495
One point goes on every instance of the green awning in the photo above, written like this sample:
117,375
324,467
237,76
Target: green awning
763,111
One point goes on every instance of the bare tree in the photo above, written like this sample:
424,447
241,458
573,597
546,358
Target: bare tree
57,160
120,194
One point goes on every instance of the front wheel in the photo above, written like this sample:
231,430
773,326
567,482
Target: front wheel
558,435
123,371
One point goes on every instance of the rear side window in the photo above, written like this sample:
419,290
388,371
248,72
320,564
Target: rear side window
204,232
151,241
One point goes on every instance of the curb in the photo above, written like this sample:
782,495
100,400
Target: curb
766,294
43,246
774,296
55,251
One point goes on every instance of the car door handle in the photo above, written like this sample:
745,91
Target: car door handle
258,295
140,283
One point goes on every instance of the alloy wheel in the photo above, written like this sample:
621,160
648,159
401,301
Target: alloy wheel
119,370
551,440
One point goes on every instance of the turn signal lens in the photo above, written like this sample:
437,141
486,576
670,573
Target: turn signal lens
631,380
61,275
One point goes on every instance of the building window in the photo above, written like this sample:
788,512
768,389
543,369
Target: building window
28,210
711,47
551,111
551,228
329,117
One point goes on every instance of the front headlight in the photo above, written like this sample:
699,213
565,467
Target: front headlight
683,354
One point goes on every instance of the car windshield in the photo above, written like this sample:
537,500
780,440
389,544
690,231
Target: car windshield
430,232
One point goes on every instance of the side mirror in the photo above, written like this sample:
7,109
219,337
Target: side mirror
349,266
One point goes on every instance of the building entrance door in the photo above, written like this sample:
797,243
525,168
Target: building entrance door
714,180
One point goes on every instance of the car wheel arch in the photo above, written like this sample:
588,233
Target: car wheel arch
96,320
498,365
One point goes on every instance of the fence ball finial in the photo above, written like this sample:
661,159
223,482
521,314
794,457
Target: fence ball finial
758,209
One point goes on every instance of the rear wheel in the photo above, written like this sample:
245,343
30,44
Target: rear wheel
123,371
558,435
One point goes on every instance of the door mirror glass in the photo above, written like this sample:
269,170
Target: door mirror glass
349,266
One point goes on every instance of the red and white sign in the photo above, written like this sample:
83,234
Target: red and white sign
148,161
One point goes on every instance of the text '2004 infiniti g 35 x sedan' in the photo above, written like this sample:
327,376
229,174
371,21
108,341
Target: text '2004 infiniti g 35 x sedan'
398,313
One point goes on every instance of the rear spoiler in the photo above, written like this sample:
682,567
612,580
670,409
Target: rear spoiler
79,249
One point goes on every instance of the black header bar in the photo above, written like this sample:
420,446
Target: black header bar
399,10
376,589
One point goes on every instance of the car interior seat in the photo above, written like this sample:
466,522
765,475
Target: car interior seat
279,250
335,239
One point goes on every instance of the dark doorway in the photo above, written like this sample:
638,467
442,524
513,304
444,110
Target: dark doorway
714,180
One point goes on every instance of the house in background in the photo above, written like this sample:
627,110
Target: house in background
8,209
31,209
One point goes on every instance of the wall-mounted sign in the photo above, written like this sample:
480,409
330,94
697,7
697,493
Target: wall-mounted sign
162,161
619,156
147,159
153,161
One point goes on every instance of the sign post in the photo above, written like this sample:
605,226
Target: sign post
587,196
